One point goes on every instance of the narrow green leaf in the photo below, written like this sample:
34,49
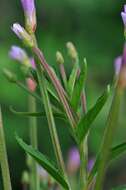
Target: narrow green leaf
52,91
76,95
120,188
73,77
115,152
44,162
84,124
36,114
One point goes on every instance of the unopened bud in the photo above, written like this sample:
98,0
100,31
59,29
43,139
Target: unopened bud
117,64
59,57
28,160
30,15
25,177
31,84
9,75
20,55
22,34
72,50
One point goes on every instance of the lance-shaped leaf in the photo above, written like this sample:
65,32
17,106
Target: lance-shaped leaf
76,95
114,154
123,187
84,124
73,77
44,162
37,114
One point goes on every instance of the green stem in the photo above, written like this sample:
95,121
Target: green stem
34,143
50,118
108,138
83,149
3,158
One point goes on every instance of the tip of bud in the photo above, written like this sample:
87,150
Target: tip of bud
9,75
59,57
25,177
23,34
72,50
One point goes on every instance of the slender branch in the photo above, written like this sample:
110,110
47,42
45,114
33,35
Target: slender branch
50,118
34,142
83,149
3,158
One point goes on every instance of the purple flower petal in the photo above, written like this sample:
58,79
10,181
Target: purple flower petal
28,5
118,63
73,162
90,164
123,14
17,53
33,63
30,14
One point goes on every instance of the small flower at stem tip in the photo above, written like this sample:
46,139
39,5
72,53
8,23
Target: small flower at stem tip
30,15
22,34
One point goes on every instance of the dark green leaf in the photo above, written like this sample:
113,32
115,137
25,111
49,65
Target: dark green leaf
120,188
37,114
115,152
52,91
76,95
44,162
85,123
72,78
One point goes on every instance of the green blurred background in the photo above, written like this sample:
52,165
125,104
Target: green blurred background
96,28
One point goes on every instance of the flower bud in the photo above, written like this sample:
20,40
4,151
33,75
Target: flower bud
72,50
25,177
9,75
123,15
120,65
22,34
31,84
59,57
73,162
30,15
20,55
117,64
